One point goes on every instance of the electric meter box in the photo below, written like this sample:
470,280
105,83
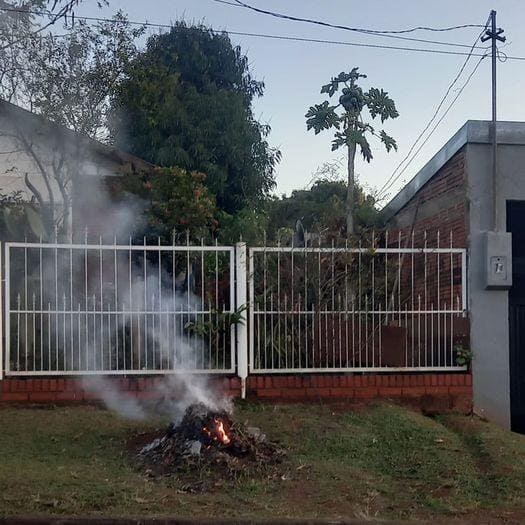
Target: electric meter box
498,260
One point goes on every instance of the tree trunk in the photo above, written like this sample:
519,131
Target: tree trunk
350,191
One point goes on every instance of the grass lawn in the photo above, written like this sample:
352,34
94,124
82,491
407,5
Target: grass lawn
381,461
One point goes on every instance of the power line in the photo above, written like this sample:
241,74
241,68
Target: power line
436,112
280,37
346,28
436,125
372,32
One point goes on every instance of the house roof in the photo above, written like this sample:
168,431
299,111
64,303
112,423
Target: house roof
473,132
126,159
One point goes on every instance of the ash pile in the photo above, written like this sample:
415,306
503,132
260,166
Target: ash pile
207,448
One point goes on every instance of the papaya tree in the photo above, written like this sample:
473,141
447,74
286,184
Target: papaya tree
348,119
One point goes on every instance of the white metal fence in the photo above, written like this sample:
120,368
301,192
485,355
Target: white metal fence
386,306
118,309
156,309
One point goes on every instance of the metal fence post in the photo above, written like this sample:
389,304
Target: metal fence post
1,319
241,303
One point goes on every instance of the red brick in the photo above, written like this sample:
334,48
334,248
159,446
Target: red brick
414,391
268,383
436,390
358,381
293,393
290,382
40,397
460,390
455,380
148,394
427,379
5,384
69,395
468,380
406,380
251,382
399,380
53,385
45,385
420,380
342,392
280,382
413,380
14,396
235,383
448,379
434,380
269,392
388,391
366,392
141,383
318,392
441,379
37,385
60,385
349,381
260,382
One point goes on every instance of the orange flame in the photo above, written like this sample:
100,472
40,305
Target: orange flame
221,433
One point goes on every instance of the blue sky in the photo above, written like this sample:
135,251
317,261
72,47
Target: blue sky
294,71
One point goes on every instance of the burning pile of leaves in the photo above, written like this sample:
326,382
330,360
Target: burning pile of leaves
207,448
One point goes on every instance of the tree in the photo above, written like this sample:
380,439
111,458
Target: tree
69,80
321,209
187,102
351,129
176,202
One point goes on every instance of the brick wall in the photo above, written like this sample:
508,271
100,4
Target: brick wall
435,392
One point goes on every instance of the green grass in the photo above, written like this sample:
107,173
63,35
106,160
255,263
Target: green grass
382,461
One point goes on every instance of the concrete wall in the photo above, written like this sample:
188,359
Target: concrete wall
489,308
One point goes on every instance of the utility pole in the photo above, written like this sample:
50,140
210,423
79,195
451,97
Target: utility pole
494,34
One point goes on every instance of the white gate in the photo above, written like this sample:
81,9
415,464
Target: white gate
118,309
360,309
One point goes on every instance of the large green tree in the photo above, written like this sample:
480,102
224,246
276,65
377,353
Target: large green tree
351,129
187,102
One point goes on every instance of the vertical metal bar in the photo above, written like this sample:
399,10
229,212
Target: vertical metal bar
241,328
18,332
252,306
101,306
56,305
78,339
432,334
71,304
41,284
94,334
34,334
86,320
347,304
464,281
160,308
115,263
279,315
438,305
426,298
359,293
49,336
340,334
399,259
7,302
372,262
145,315
234,298
419,330
286,330
367,362
412,297
306,307
451,298
131,306
25,307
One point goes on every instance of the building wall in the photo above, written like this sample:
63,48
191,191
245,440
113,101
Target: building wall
489,309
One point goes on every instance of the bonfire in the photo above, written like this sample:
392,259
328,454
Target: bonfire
207,442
